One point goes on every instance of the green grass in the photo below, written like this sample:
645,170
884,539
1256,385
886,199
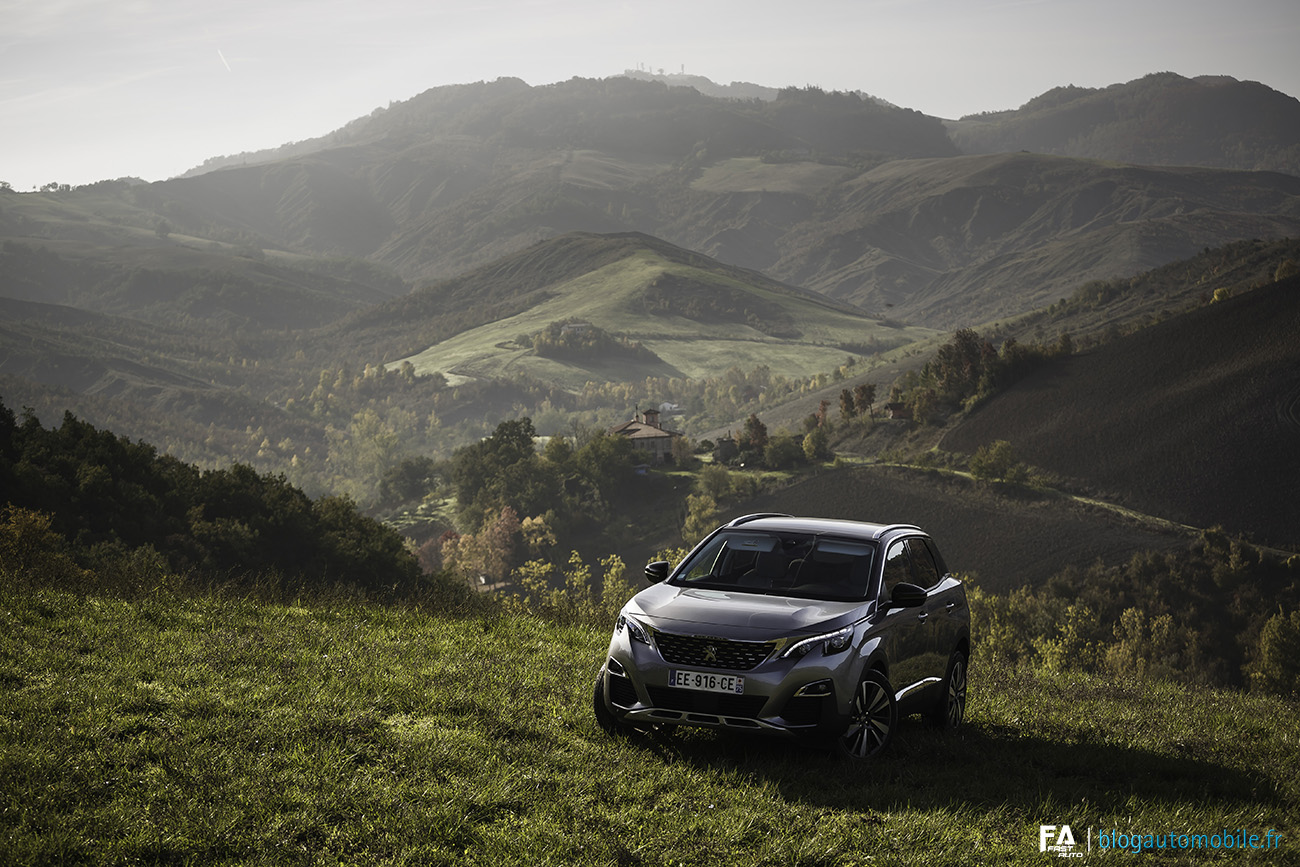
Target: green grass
210,730
611,298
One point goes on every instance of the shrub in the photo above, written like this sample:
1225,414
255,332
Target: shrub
997,461
1276,667
32,553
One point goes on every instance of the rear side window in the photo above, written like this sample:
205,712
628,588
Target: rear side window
926,570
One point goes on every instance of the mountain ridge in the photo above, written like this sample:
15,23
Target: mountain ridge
1159,119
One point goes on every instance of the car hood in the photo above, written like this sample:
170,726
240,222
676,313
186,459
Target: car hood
742,615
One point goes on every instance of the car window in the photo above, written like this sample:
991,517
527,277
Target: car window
923,565
785,564
938,557
835,569
727,558
896,569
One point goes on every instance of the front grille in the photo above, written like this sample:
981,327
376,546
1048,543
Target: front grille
712,652
716,703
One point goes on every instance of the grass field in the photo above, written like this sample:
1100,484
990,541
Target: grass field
611,298
210,730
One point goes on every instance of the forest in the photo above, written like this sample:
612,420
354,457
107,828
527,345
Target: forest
92,510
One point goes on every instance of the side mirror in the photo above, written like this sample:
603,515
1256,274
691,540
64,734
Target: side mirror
907,596
657,571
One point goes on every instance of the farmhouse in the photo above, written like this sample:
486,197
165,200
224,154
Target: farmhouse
649,436
898,410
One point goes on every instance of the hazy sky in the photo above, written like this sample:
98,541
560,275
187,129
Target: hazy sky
96,89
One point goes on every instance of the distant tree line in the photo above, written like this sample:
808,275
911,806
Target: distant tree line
968,370
1220,613
574,338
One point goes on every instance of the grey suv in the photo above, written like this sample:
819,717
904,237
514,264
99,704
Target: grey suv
793,626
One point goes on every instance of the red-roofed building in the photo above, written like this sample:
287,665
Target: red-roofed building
649,436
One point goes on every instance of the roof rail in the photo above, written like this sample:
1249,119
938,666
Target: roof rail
745,519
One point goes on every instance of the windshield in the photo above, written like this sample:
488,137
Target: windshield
781,564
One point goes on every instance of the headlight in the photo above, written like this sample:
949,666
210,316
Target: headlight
634,628
830,642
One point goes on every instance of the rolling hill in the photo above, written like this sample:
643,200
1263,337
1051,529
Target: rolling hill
952,242
1003,538
828,191
689,316
680,234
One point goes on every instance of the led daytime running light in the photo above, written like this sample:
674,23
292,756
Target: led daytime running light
831,642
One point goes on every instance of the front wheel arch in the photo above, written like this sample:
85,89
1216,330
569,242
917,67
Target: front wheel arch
873,717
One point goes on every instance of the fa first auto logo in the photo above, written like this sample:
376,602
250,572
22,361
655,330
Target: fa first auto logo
1057,839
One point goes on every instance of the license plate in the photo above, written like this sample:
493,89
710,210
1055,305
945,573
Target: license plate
705,682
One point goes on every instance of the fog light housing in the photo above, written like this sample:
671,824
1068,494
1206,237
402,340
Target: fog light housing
816,688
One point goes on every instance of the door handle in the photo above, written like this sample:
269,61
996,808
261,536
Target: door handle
921,617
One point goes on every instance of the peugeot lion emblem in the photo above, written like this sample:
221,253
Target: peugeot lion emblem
710,653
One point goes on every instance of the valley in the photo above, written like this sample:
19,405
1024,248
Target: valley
349,307
328,469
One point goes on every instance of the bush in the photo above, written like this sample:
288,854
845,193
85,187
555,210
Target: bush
568,594
997,461
1276,667
32,554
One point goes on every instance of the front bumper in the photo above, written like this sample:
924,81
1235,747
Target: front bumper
793,697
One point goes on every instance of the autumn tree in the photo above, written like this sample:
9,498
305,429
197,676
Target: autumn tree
864,397
848,408
816,445
997,461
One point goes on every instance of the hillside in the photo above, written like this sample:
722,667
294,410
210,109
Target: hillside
71,254
828,191
937,241
1193,419
1161,119
677,313
460,175
953,242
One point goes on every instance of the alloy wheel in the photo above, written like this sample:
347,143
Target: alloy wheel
873,714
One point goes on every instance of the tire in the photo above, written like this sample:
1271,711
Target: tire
873,716
605,718
949,711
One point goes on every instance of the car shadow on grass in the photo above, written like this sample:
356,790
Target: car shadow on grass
983,765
